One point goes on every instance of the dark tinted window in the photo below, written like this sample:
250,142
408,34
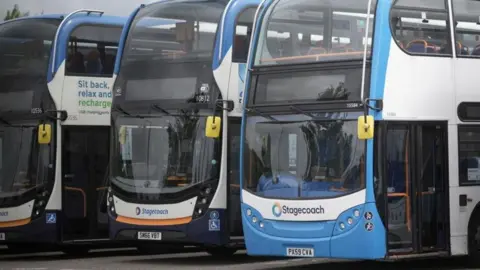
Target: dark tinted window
421,27
304,31
342,84
467,31
243,33
92,50
168,54
469,155
25,47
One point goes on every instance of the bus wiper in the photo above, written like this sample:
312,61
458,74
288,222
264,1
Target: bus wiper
120,109
262,114
6,122
158,108
295,108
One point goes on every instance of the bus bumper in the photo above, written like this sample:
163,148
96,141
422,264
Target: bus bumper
39,230
198,232
316,239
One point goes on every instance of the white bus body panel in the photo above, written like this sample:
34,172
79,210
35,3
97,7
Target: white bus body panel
23,211
434,89
332,207
165,211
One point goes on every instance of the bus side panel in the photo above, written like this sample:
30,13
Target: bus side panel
365,241
43,230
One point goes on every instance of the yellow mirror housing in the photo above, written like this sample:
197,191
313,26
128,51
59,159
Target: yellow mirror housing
213,127
365,127
44,134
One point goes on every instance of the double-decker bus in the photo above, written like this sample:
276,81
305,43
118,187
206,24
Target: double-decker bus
176,118
56,77
361,132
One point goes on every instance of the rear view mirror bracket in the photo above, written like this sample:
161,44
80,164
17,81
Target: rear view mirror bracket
366,105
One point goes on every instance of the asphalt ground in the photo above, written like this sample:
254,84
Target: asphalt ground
131,259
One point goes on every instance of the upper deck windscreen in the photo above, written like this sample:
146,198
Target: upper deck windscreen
25,48
305,31
169,49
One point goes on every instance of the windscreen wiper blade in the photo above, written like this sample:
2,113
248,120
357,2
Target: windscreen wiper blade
266,115
297,109
158,108
5,122
120,109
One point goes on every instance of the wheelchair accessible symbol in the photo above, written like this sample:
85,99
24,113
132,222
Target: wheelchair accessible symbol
51,218
214,221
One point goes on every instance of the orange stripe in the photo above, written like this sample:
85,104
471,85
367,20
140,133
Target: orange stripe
14,223
154,222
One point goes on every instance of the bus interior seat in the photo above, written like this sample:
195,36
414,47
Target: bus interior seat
109,64
476,50
77,63
93,64
417,46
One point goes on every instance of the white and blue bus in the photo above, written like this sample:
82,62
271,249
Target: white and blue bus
56,76
176,117
361,132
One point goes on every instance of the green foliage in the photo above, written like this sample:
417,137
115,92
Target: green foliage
15,13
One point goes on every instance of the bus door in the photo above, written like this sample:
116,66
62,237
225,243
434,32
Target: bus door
416,184
234,208
85,168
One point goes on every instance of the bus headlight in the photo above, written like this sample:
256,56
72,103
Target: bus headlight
39,204
111,205
203,200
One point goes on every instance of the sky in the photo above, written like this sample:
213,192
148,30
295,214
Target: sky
35,7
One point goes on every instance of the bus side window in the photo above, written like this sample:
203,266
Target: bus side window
93,49
421,29
467,34
243,32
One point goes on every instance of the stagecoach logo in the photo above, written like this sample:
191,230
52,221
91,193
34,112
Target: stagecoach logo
278,210
4,214
150,212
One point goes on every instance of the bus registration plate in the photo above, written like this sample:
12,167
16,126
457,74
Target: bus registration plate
2,236
149,235
300,252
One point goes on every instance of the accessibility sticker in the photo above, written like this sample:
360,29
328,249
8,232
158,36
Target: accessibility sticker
51,218
214,225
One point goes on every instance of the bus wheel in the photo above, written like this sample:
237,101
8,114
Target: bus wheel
474,242
221,251
75,250
150,250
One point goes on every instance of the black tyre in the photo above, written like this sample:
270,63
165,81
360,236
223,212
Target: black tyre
473,258
221,251
75,251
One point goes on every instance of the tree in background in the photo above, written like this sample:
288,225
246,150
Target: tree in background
15,13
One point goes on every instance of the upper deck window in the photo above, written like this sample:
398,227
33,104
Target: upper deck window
92,50
168,54
466,14
421,27
305,31
25,48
